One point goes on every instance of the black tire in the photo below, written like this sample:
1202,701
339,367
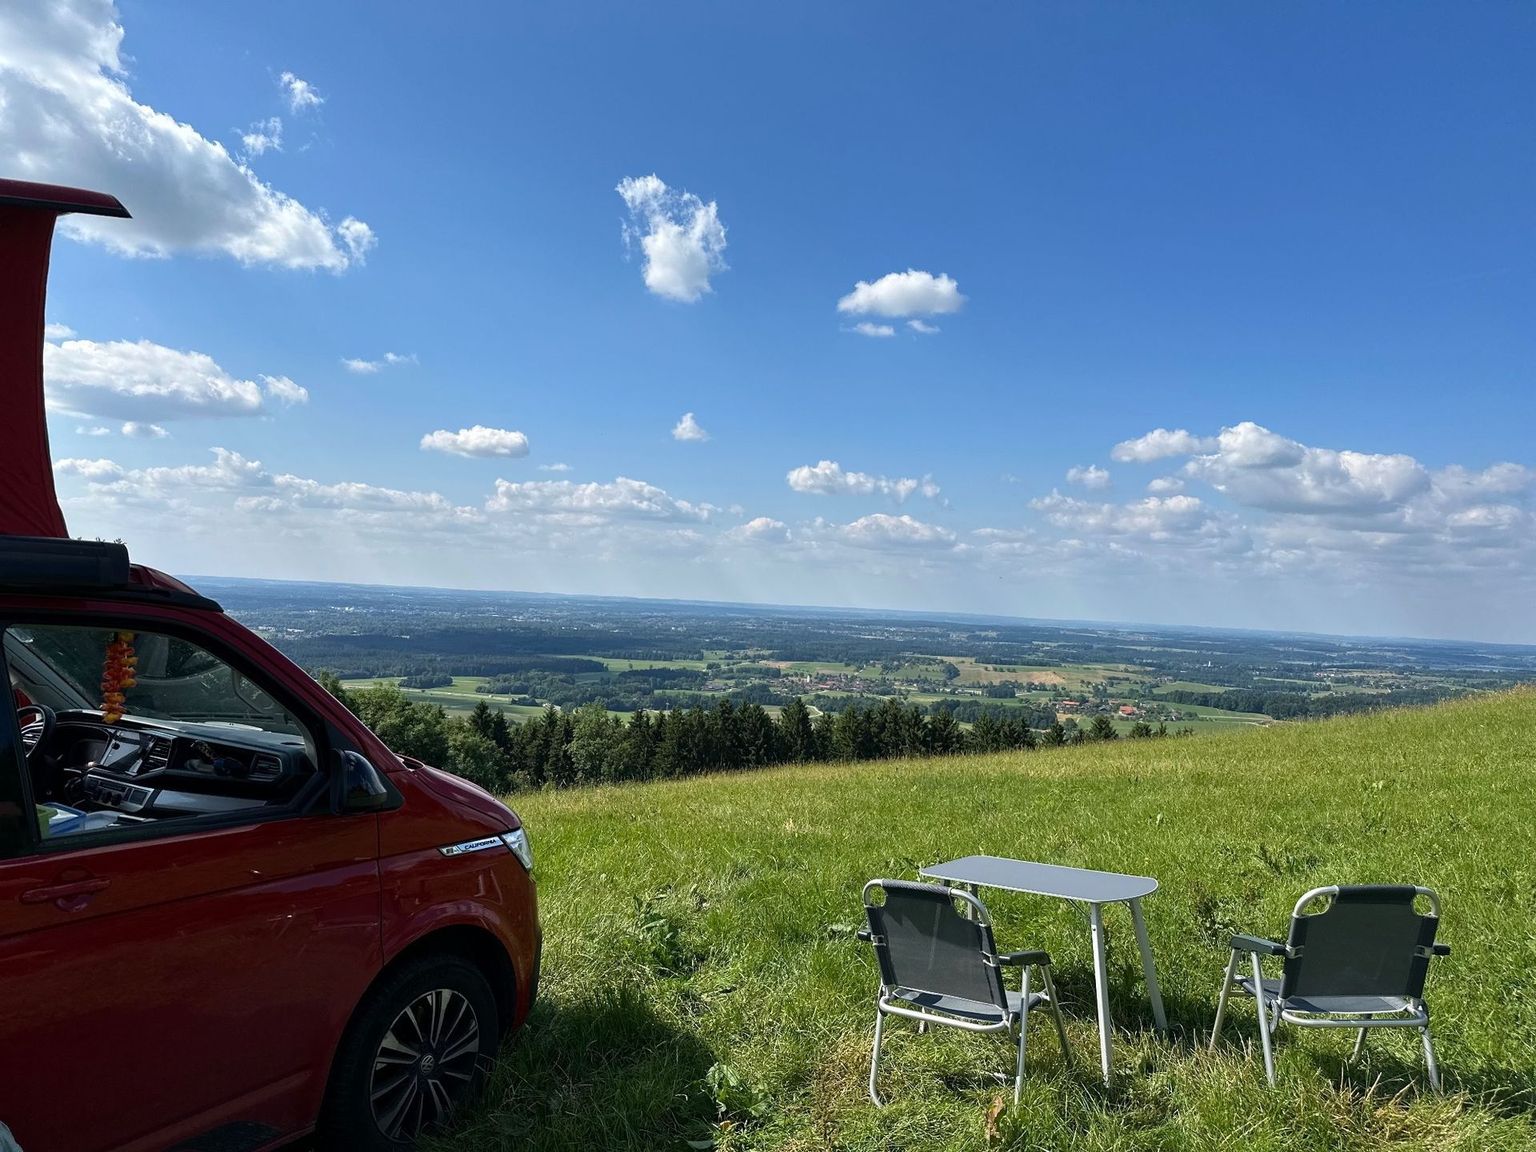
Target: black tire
408,1060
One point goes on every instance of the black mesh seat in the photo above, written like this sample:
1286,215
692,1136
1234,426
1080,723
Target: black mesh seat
1330,1005
939,966
966,1009
1359,962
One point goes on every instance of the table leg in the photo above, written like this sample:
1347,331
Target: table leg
1148,967
1101,986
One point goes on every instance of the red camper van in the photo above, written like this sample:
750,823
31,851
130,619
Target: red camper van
229,915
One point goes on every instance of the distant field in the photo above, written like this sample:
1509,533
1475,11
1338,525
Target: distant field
616,665
709,922
1189,686
460,698
802,667
1222,714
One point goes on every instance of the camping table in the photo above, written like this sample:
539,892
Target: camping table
1080,886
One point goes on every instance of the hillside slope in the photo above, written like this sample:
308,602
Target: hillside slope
709,921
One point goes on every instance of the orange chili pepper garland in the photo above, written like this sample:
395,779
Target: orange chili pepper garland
117,676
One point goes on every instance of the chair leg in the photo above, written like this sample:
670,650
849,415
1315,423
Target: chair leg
1263,1014
1018,1071
1221,1004
1429,1061
1061,1032
1360,1042
874,1059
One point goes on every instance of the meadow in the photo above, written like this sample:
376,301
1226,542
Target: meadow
702,985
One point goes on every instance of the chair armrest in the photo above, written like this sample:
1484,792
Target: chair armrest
1017,959
863,934
1257,944
1441,949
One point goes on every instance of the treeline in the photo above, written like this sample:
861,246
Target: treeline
587,745
1300,706
427,680
630,691
472,651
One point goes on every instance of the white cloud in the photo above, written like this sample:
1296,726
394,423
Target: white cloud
1091,477
96,470
688,429
180,488
140,431
264,136
881,531
923,327
358,238
301,94
909,293
368,367
593,502
1155,517
681,237
229,471
828,477
307,493
762,529
1258,468
555,467
1160,443
97,430
1458,483
1295,511
865,328
145,381
476,441
67,116
285,391
57,332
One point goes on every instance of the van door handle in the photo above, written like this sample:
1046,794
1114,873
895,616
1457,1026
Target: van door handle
62,892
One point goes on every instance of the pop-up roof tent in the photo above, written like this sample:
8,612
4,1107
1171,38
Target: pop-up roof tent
28,504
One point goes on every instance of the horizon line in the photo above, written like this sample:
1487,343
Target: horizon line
922,614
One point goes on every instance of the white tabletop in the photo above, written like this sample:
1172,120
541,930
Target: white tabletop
1081,884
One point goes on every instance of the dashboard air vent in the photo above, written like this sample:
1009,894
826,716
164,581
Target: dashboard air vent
157,753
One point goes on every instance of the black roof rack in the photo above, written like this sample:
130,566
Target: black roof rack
47,562
43,564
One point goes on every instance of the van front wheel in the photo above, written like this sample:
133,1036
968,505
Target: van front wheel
418,1050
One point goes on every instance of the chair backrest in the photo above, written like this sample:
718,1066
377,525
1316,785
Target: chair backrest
924,944
1369,941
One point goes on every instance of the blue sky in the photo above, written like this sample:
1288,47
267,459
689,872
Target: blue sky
1296,238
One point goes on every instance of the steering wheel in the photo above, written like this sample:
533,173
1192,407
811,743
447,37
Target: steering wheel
36,733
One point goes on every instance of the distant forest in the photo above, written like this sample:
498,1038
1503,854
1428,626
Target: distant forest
588,746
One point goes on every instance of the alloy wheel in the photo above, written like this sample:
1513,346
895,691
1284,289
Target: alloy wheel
425,1064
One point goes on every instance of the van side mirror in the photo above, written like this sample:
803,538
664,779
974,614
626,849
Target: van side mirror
357,786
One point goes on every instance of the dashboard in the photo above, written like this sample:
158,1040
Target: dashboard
153,769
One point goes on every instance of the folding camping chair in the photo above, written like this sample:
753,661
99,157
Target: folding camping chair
938,966
1357,963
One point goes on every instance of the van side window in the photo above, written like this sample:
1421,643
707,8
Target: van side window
123,728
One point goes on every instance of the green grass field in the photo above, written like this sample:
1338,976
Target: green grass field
708,924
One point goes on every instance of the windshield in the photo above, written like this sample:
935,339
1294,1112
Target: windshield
172,678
